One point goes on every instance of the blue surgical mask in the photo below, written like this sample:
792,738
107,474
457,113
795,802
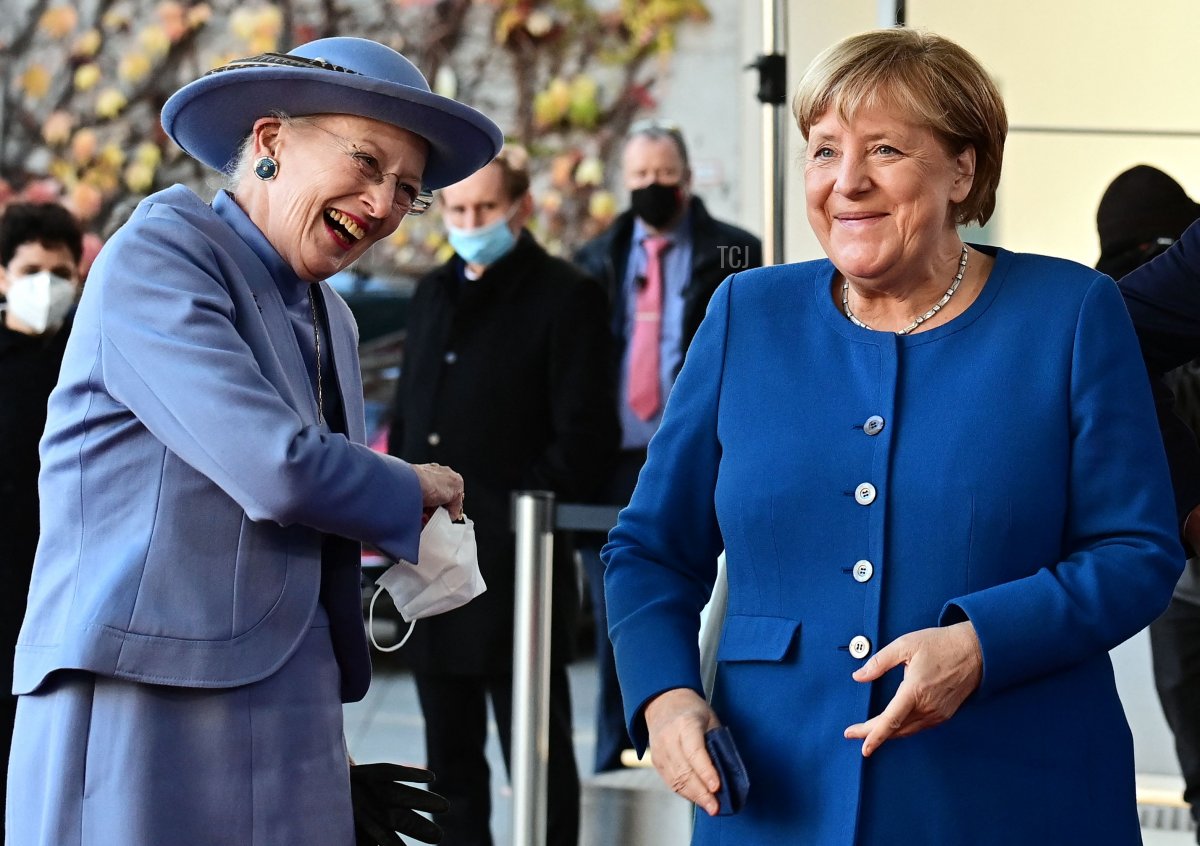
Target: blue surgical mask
485,245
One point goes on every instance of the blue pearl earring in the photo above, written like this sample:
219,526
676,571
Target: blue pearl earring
266,168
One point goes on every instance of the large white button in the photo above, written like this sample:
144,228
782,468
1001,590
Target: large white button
864,494
452,357
860,647
434,439
874,425
863,570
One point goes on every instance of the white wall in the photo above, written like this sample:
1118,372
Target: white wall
1080,64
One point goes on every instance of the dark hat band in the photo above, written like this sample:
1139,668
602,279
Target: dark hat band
268,60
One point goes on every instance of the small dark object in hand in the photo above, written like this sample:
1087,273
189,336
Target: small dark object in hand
735,783
384,808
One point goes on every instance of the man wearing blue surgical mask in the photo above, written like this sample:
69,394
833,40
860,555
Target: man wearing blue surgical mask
41,246
506,377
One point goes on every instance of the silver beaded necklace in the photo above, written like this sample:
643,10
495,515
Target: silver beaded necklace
312,304
962,268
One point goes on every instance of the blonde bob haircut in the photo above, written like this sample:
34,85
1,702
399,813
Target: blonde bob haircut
926,77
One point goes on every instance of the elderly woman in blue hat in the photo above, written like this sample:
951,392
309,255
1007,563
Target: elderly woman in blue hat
194,621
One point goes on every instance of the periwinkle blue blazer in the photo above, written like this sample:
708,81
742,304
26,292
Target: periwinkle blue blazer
187,486
1005,468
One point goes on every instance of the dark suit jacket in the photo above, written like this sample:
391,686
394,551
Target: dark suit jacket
718,249
1163,298
506,380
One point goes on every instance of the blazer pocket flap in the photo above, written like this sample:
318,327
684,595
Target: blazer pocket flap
752,638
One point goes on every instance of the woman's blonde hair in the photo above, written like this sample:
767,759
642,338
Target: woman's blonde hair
927,77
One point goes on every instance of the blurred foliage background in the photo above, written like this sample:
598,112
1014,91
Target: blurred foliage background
82,83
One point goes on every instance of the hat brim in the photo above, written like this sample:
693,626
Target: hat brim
211,117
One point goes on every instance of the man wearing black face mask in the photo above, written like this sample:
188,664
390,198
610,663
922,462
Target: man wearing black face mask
660,261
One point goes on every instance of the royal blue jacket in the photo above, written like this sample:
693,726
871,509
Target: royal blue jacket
1004,467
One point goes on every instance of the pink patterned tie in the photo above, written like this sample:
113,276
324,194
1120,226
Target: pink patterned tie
644,392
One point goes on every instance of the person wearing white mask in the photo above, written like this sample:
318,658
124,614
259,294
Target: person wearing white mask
507,378
41,246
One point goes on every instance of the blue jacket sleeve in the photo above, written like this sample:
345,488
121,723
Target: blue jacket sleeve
173,355
661,557
1122,557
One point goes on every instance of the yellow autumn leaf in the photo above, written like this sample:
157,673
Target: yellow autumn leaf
154,40
112,156
115,19
86,76
263,44
602,206
62,171
241,23
139,177
268,23
590,172
506,22
103,179
148,153
198,16
57,128
133,67
36,81
87,44
110,103
58,21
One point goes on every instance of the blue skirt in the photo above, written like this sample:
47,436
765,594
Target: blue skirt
99,761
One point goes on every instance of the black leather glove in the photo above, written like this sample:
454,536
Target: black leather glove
384,809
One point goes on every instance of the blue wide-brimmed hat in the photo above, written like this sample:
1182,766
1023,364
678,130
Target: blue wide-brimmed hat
211,117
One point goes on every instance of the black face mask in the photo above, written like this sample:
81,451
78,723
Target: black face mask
657,204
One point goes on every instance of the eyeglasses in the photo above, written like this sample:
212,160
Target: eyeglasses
407,199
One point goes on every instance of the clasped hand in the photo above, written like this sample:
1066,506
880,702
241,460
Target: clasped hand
440,486
942,667
384,808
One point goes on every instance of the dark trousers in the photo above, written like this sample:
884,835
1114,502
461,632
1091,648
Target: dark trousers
1175,646
455,711
612,737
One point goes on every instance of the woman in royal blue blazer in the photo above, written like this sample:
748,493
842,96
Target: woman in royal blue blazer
935,473
194,621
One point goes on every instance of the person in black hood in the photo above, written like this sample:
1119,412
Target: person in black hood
660,261
1142,213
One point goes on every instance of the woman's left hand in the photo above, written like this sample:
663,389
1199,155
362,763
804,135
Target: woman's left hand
942,667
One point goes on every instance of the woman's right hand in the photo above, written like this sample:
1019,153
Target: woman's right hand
676,721
440,486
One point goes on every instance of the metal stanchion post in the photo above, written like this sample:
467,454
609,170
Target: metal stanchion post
533,519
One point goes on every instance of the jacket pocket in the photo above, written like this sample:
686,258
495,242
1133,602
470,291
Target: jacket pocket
752,638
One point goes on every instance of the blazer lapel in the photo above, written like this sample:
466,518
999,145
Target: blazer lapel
291,375
345,365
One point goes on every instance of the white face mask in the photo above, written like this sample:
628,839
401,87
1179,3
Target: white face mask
41,300
445,576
